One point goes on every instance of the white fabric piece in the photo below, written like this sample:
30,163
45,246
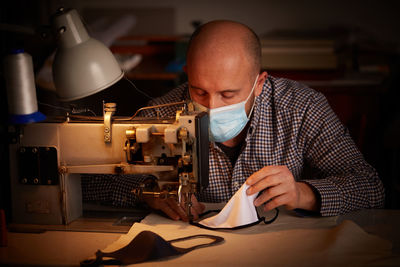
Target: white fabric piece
240,210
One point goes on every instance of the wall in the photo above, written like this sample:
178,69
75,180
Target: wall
376,17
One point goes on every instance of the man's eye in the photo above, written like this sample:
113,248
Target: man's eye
228,95
200,92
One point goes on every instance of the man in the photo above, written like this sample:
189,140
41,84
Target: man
267,132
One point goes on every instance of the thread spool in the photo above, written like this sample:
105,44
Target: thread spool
21,90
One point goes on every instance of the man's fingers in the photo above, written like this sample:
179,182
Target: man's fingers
276,202
197,206
164,207
174,205
270,181
262,173
269,194
194,213
174,210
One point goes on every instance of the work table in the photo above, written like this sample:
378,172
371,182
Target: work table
366,236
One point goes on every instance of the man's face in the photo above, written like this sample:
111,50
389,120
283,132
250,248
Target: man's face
221,80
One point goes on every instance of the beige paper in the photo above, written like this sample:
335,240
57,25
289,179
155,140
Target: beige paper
290,241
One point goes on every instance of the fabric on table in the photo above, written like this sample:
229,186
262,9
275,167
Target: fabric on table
290,241
147,246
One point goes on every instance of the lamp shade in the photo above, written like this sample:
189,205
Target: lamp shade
82,65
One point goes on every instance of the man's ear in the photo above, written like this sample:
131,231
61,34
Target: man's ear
261,80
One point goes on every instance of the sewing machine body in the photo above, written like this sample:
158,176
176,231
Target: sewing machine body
46,163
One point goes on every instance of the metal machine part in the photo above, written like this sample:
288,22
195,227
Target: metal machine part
109,110
46,163
190,160
38,165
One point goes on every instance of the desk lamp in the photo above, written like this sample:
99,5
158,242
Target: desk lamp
82,65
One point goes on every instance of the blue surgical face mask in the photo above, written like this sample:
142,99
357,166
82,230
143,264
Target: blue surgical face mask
228,121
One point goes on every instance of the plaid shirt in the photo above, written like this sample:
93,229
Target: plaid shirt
293,125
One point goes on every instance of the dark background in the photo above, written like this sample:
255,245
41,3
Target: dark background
371,28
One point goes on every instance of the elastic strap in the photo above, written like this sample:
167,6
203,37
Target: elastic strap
216,240
260,219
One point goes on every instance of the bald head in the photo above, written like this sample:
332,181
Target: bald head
223,65
223,40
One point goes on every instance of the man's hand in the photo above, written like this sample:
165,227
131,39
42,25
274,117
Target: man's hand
279,188
174,210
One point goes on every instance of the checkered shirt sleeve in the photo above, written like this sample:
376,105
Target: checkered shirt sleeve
111,189
177,95
293,125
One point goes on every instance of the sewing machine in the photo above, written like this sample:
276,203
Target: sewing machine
47,160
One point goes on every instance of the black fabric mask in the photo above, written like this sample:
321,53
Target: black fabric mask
147,246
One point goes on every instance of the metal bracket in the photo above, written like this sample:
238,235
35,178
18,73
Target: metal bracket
109,110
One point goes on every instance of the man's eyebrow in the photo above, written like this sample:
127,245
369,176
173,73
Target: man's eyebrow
230,90
195,87
223,91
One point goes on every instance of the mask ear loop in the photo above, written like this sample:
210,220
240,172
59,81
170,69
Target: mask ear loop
215,240
254,101
260,219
